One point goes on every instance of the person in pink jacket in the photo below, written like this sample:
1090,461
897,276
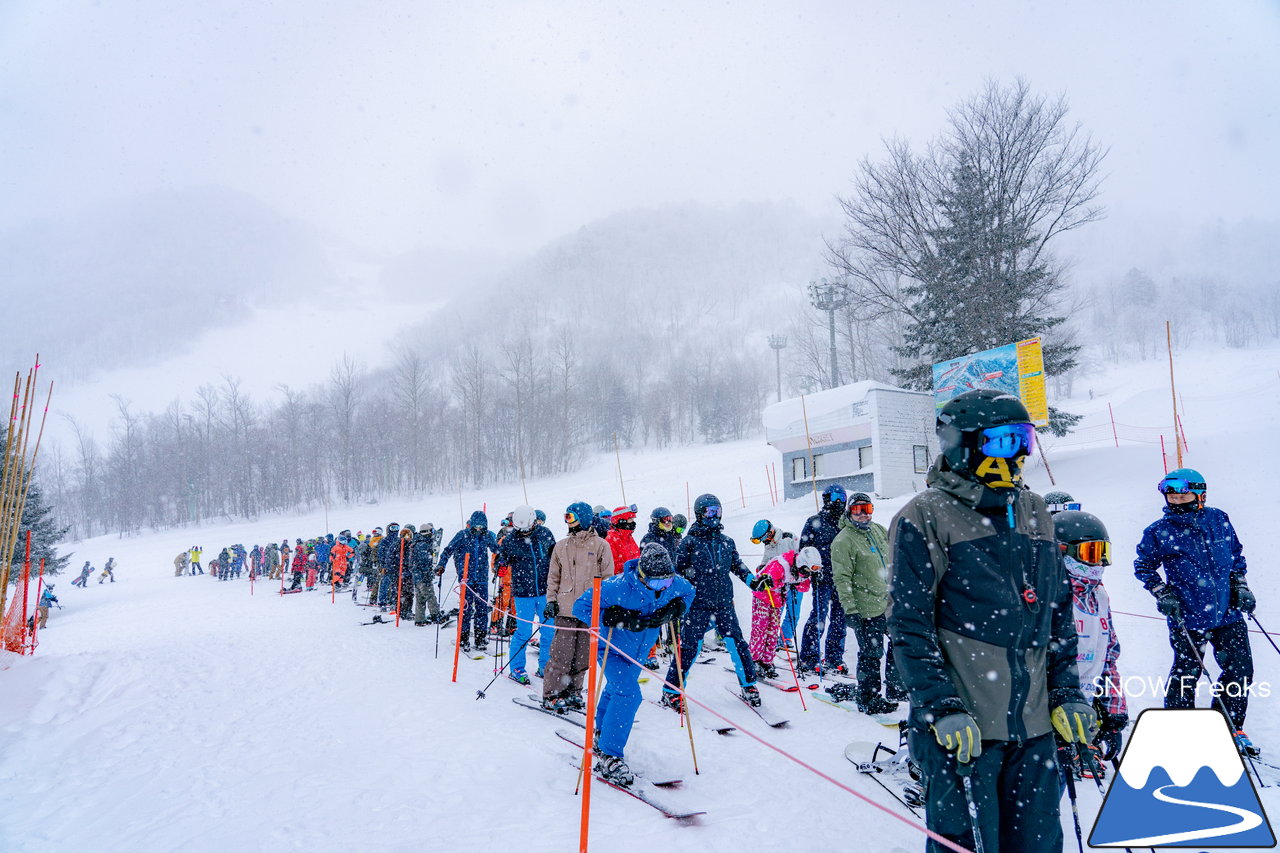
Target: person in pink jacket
790,570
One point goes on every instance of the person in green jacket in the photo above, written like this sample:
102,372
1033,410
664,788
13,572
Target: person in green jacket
860,568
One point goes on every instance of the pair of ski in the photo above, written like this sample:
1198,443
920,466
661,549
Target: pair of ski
770,717
650,792
890,769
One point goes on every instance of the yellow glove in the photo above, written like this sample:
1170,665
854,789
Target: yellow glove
1075,722
959,733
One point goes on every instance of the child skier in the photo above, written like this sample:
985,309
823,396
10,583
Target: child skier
1086,551
775,543
108,570
647,594
787,573
83,580
47,600
1203,594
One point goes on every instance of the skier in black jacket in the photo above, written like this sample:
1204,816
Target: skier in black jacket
982,628
819,532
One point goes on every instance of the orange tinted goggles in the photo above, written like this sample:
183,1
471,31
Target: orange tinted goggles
1096,553
861,508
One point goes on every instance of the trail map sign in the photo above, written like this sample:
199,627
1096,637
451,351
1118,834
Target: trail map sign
1016,369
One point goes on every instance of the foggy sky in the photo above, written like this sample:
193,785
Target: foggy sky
395,124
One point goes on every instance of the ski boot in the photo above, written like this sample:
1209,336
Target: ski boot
466,641
519,678
844,693
556,705
672,701
837,669
875,705
913,795
652,663
576,702
482,644
751,694
614,771
767,670
1245,745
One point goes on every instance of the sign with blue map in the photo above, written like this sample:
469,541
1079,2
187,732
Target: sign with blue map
1016,369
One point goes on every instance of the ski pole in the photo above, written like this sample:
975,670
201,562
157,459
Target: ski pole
1069,777
685,719
1086,755
965,771
1264,633
480,693
791,666
1222,705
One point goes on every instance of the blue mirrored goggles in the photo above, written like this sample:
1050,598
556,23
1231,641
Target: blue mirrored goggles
1008,441
711,512
659,583
1179,486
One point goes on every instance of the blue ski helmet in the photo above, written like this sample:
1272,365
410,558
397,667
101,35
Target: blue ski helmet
579,514
760,533
834,494
1183,480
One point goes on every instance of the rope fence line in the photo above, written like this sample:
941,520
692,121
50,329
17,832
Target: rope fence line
739,726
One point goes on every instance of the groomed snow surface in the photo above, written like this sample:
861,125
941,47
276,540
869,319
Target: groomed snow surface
167,714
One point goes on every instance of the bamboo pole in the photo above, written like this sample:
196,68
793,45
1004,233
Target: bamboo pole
618,455
808,440
1173,391
18,473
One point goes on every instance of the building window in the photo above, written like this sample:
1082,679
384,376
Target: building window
865,458
921,455
798,470
819,465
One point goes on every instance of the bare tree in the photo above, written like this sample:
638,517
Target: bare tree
344,397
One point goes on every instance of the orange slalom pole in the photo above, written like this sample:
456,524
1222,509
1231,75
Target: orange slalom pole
787,651
26,587
35,623
462,611
593,674
399,579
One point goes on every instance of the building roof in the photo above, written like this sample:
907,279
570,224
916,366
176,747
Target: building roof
827,409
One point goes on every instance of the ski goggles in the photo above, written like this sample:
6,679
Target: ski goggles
864,508
766,539
711,512
659,583
1093,553
571,519
1179,486
1008,441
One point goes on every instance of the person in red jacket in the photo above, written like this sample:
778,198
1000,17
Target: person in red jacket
299,564
621,538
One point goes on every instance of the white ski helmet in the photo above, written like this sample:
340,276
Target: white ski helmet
809,558
523,517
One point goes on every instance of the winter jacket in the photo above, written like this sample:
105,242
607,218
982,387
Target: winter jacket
374,542
668,539
323,549
544,540
1097,647
706,557
576,561
622,544
271,555
478,545
340,554
196,553
860,568
180,561
820,531
781,544
520,552
627,590
420,554
782,570
299,559
1199,552
980,615
47,598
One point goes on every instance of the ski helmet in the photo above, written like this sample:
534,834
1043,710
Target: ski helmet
624,513
579,514
599,509
659,513
679,521
809,560
1083,536
523,518
762,532
707,510
426,528
983,423
834,494
408,530
540,516
393,529
1183,480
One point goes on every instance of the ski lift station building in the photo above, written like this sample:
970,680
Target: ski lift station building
867,436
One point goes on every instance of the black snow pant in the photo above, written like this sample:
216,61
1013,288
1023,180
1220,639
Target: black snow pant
872,652
1015,788
476,614
297,580
826,615
695,624
1234,655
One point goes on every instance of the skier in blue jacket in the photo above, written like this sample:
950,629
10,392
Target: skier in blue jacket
706,557
1203,594
633,606
476,540
522,552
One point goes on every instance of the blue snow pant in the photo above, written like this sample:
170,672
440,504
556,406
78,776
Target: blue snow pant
792,615
527,611
384,587
826,607
619,702
695,624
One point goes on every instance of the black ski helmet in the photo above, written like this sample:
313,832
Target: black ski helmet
701,505
1073,526
966,415
659,513
679,521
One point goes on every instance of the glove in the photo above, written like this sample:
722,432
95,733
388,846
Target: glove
761,582
502,571
1167,602
959,733
1075,722
617,616
552,611
1108,742
673,609
1242,598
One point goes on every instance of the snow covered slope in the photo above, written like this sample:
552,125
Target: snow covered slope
166,713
